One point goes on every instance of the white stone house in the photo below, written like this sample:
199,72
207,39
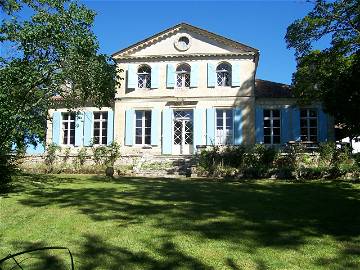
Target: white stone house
186,87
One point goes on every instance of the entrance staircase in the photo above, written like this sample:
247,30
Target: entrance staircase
165,166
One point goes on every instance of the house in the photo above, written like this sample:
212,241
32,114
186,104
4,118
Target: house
186,87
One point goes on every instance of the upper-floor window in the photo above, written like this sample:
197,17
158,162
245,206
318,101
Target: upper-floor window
223,74
144,77
143,127
308,125
100,127
68,124
272,126
224,126
183,76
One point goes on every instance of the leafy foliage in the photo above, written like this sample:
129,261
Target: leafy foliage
330,76
49,59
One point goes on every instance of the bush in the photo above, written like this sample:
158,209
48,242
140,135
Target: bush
51,156
81,156
99,154
113,153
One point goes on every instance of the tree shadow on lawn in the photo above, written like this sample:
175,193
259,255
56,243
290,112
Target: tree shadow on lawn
277,214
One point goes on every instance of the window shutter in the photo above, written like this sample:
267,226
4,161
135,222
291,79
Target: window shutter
110,127
211,75
323,126
154,76
129,127
210,126
167,131
88,128
235,74
259,125
285,125
296,124
79,129
132,76
56,128
198,127
194,75
170,76
155,126
237,126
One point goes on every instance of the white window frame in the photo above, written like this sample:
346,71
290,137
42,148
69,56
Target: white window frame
308,127
101,121
223,127
143,127
223,71
146,75
272,118
183,74
68,121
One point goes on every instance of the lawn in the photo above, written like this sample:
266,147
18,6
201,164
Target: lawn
144,223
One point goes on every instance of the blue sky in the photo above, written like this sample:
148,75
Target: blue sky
260,24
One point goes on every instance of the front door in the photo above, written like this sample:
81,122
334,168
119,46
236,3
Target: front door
183,133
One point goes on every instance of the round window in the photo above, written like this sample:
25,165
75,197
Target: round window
182,43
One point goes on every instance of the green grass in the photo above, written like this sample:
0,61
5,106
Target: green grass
137,223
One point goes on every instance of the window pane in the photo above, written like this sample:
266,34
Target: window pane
313,131
139,114
104,140
266,123
138,123
276,113
313,123
267,139
96,115
312,113
147,131
303,123
138,140
276,139
147,139
96,132
96,140
219,123
267,131
72,125
96,125
138,132
303,113
276,123
72,139
276,131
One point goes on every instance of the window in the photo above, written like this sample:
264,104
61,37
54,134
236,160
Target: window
308,125
100,127
144,77
183,76
272,126
68,124
143,127
224,126
223,74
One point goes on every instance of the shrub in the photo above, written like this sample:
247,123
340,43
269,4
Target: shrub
66,154
51,155
113,153
99,154
81,156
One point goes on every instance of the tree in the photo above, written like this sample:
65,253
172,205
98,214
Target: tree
52,55
330,76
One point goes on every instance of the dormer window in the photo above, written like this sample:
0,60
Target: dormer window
183,76
144,77
223,74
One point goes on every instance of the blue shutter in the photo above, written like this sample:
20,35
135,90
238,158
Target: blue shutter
79,129
170,76
194,75
198,127
235,74
211,75
129,127
110,127
167,131
259,124
155,126
56,128
323,126
155,76
210,126
237,126
285,125
296,124
132,76
88,128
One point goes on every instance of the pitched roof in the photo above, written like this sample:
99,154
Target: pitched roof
185,26
269,89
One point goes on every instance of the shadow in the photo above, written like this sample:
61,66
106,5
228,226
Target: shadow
274,214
